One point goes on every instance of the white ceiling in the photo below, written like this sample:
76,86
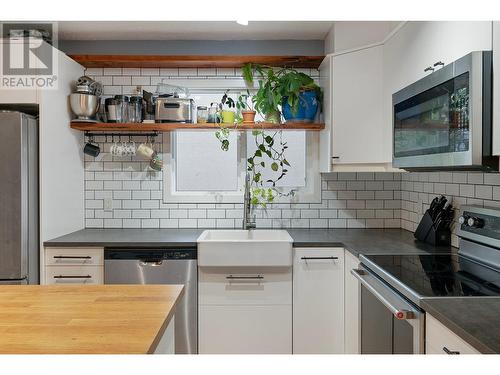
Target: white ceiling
192,30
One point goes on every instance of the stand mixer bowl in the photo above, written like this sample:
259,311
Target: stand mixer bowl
84,106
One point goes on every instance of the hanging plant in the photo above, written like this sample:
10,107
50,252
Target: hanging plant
270,149
223,133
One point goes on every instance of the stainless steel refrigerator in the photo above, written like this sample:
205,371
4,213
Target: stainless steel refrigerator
19,224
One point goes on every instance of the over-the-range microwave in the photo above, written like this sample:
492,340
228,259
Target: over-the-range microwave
444,120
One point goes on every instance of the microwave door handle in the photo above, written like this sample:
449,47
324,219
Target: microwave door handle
398,313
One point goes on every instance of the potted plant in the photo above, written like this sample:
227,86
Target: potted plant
244,105
285,90
227,115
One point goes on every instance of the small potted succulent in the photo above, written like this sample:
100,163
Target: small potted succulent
244,105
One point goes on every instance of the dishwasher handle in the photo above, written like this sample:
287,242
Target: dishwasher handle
401,314
151,263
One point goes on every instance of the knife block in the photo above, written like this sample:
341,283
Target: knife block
427,232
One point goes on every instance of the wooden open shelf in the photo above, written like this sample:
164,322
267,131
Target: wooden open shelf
193,61
166,127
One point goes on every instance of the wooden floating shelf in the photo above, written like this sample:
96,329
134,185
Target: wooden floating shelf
193,61
166,127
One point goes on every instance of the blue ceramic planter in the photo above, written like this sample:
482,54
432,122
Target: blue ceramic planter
308,106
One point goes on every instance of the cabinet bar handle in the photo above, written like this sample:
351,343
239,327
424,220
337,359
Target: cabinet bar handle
448,351
72,257
72,277
319,258
231,277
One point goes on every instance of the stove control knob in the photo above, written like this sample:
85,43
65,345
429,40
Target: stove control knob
463,219
475,222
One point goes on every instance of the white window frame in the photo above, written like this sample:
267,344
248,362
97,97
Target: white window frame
311,193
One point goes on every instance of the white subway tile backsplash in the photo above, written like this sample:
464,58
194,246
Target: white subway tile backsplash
112,71
170,72
348,199
150,71
122,81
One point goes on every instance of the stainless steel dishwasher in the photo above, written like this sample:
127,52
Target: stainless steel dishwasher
161,266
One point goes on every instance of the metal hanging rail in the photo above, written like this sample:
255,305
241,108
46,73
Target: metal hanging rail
90,134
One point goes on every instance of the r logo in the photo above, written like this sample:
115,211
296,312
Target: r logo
24,50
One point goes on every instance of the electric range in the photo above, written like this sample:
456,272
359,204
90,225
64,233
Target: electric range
472,271
394,286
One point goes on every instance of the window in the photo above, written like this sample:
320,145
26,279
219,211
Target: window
198,171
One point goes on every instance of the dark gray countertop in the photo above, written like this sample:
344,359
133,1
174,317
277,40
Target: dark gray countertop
475,319
357,241
184,238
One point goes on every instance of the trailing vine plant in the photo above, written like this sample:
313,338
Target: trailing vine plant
223,133
272,146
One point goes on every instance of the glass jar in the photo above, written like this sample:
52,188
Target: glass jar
122,104
135,109
202,114
213,115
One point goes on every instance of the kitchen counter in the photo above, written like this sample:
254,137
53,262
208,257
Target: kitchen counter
357,241
475,319
89,319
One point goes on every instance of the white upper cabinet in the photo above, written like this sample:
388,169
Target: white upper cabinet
357,108
326,83
496,88
419,45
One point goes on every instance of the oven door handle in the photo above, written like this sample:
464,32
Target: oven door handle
401,314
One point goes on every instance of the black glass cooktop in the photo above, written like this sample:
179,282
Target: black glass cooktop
435,275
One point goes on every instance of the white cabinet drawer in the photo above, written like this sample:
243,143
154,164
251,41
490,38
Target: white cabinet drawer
244,286
440,340
318,301
91,256
74,274
245,329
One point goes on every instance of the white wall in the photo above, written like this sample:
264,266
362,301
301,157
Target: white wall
61,160
354,34
61,157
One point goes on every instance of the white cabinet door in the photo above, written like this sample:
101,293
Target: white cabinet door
440,340
245,310
318,301
325,138
245,329
352,327
357,135
496,88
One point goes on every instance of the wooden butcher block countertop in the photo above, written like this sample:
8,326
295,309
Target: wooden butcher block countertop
88,319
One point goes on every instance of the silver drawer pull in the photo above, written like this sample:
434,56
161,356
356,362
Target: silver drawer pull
72,277
72,257
319,258
448,351
257,277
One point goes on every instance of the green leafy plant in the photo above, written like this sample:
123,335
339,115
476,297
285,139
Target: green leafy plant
275,85
223,133
273,147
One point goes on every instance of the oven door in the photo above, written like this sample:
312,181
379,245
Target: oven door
389,323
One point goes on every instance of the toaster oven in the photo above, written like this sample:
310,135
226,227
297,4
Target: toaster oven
174,110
